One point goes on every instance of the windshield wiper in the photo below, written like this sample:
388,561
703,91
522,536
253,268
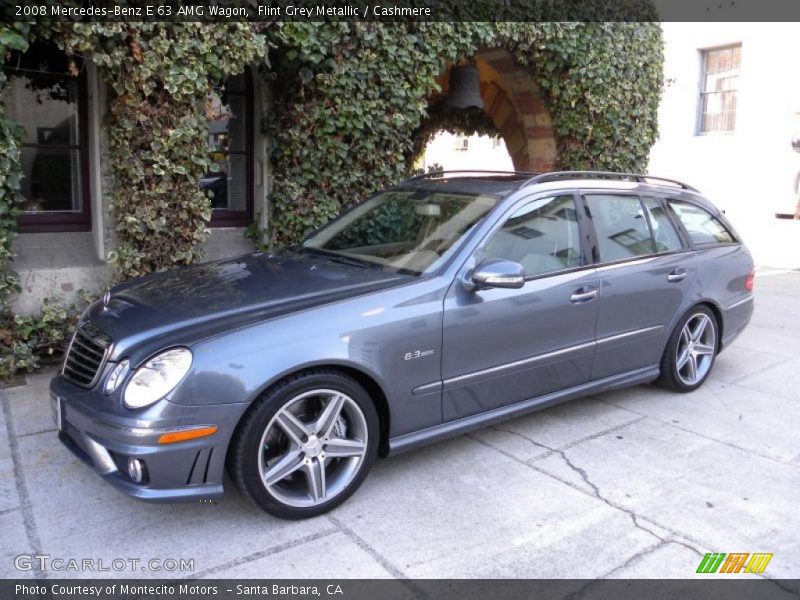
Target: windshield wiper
342,258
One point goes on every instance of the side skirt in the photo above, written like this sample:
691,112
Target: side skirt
410,441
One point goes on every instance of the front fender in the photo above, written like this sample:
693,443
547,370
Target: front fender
372,334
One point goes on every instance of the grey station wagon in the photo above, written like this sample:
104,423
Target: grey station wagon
443,304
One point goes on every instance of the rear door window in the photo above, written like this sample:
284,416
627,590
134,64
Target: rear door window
701,225
664,234
621,227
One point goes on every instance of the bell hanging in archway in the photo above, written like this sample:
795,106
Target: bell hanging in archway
465,88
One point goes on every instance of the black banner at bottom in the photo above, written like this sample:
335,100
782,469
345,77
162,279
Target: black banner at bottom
400,589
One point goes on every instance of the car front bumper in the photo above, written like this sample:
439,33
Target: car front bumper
106,440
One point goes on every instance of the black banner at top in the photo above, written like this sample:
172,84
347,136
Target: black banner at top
400,10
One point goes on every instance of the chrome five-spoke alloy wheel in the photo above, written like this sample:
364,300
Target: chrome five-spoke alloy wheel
695,349
313,448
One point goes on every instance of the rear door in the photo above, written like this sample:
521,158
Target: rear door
645,270
725,266
502,346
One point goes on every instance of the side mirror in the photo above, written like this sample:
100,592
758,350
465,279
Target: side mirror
497,273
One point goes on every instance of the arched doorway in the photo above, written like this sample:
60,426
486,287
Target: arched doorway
514,104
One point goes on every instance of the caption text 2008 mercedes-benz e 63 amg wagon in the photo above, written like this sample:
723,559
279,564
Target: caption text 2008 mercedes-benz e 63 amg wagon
446,303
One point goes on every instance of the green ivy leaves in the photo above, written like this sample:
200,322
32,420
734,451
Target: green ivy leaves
13,36
161,75
351,113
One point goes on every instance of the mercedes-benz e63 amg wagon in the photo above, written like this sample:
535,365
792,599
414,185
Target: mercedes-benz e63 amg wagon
443,304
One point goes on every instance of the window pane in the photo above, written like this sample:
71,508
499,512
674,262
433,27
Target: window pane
703,228
719,89
409,230
226,122
621,227
542,236
236,84
227,185
227,141
664,233
52,180
218,115
236,123
41,95
237,178
215,184
46,107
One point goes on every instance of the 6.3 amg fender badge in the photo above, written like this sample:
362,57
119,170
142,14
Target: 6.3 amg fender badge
417,354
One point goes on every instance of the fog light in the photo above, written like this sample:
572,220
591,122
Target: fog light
136,469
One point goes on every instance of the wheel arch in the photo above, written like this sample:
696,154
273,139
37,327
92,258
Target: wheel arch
718,315
692,301
708,303
367,380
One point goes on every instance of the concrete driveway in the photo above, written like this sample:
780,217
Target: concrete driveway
636,483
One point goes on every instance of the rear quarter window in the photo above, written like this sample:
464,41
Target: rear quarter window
701,225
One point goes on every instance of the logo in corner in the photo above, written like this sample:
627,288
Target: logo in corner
737,562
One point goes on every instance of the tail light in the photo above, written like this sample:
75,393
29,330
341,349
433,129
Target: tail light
748,283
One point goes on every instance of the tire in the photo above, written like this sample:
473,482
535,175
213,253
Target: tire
688,361
306,445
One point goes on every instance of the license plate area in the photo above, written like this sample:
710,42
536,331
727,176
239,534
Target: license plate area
56,410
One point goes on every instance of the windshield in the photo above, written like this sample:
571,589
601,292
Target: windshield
405,230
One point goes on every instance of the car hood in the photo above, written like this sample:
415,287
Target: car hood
192,303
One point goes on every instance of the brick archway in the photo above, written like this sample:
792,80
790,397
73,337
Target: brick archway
514,102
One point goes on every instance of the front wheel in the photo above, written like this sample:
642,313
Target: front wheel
306,445
691,351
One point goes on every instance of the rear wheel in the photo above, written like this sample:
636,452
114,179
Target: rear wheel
691,351
307,445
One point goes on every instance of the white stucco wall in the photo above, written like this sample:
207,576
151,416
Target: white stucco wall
749,172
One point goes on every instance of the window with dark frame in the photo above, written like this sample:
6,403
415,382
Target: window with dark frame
543,236
719,86
45,94
665,236
230,142
621,226
703,227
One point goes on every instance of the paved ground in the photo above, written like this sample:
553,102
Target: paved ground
637,483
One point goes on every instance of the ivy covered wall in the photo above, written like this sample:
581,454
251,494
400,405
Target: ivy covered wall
13,36
160,76
350,113
353,101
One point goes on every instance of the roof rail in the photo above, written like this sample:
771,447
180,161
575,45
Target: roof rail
637,177
434,174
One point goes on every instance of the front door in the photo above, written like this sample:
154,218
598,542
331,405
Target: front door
645,273
502,346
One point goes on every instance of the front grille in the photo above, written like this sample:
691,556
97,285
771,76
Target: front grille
86,355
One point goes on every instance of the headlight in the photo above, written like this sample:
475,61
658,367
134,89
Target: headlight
116,376
157,377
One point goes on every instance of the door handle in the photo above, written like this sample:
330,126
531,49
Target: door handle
677,275
583,294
